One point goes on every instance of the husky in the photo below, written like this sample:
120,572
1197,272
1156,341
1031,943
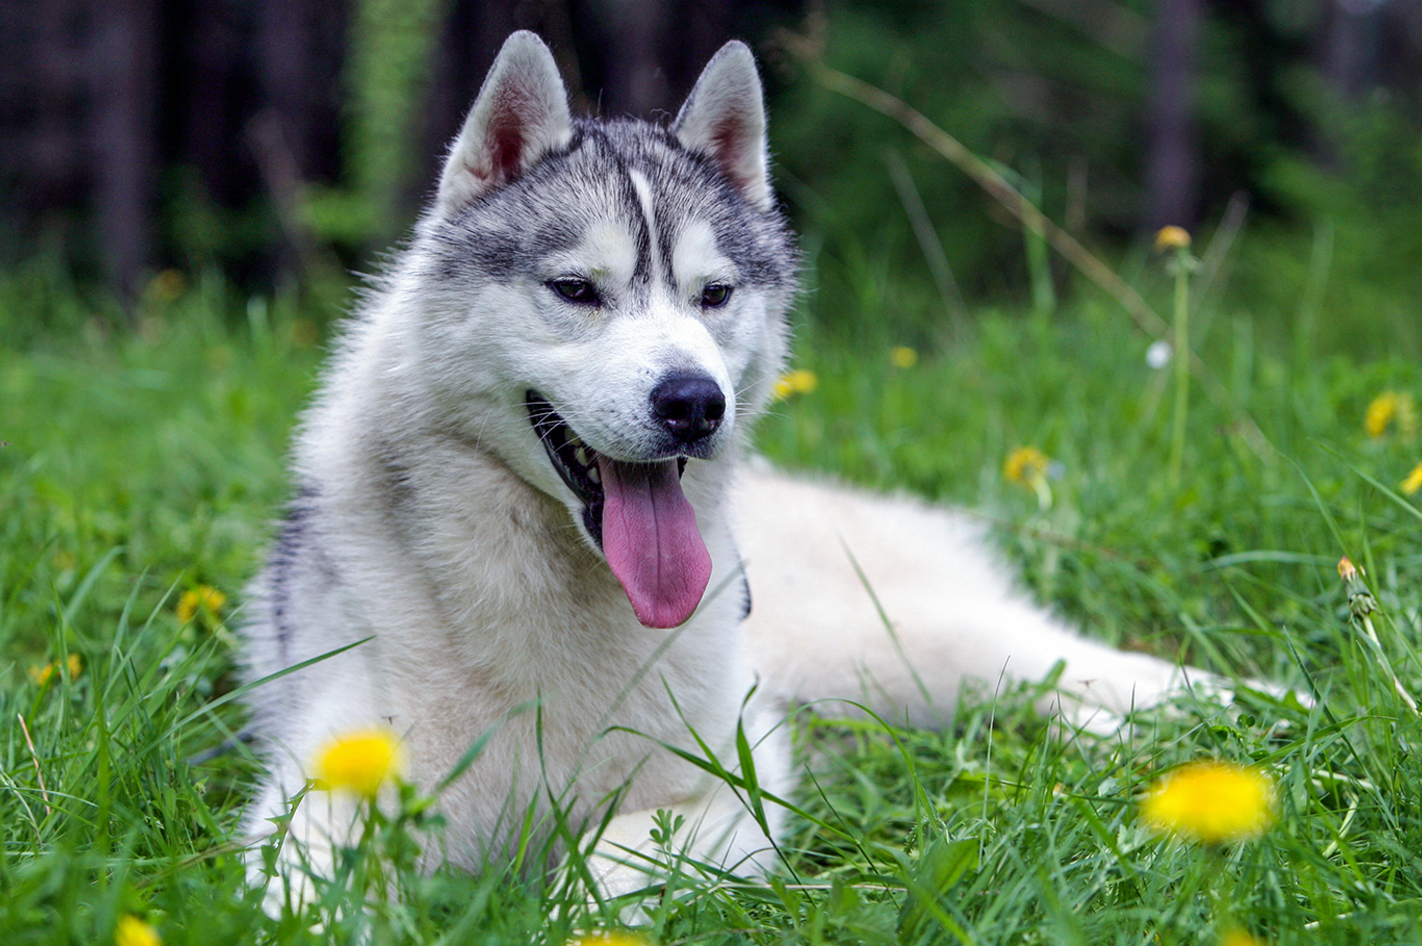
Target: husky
524,482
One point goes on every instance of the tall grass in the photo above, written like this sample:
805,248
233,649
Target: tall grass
142,465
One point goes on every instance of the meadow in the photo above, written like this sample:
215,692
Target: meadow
142,465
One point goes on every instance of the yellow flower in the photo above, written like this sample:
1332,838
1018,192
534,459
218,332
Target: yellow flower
39,676
799,381
1026,465
1211,802
1380,414
203,597
360,761
609,938
903,356
1238,937
1391,409
1414,481
131,931
1172,238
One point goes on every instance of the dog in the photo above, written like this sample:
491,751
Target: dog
524,482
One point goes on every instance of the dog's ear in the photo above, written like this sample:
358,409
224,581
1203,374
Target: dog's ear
520,115
725,117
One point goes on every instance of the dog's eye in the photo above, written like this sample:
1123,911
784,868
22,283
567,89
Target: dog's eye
575,290
715,295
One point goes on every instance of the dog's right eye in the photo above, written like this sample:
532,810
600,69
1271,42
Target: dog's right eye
576,291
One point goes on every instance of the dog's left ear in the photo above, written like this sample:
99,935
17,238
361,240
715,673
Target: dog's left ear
521,115
725,117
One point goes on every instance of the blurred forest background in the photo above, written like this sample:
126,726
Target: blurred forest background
280,144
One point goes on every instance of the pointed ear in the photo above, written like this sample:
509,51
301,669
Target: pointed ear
521,114
725,117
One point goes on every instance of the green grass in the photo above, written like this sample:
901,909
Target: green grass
142,464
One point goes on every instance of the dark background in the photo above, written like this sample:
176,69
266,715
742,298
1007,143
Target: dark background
277,142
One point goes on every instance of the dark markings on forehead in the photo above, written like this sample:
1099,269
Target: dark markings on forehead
550,209
629,211
688,187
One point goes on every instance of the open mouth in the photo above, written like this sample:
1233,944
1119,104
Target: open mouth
575,461
637,515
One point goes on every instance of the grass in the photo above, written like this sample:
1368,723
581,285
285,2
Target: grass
140,465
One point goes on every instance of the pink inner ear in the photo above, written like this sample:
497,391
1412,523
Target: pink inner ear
507,135
728,145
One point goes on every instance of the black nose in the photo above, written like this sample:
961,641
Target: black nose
688,406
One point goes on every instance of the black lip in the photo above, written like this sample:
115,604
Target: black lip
574,460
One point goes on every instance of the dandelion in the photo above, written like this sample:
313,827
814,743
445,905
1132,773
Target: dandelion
131,931
1172,238
360,762
1026,465
609,938
1361,605
1391,409
1211,802
203,598
799,381
1238,937
1030,467
1413,482
1380,414
903,356
40,676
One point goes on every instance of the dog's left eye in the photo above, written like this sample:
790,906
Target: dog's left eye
715,295
575,290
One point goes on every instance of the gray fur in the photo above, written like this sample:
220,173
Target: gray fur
583,261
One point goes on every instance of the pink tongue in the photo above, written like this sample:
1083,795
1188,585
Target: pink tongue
650,538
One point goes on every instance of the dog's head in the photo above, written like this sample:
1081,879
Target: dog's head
606,303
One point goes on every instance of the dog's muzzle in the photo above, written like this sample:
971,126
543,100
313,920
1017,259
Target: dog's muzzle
636,513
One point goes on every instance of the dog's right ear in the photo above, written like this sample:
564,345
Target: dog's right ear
520,115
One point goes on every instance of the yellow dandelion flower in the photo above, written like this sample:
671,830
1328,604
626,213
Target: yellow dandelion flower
360,761
1413,482
1238,937
1172,238
202,598
1212,802
903,356
1026,465
799,381
39,676
1391,409
131,931
609,938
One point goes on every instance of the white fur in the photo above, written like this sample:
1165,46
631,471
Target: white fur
430,520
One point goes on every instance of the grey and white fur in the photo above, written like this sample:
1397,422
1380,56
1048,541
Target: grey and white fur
522,482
